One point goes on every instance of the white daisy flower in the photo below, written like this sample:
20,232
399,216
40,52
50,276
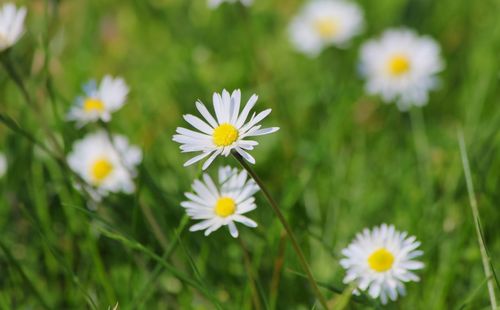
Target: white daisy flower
381,260
11,25
107,167
401,66
227,132
99,102
216,3
322,23
3,164
221,204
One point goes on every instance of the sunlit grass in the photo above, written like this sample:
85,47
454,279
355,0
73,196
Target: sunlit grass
341,161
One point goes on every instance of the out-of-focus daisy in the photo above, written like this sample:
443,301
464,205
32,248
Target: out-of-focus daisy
322,23
381,260
106,166
99,102
228,131
221,204
216,3
3,164
11,25
401,66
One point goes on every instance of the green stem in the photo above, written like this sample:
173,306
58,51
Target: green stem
251,276
142,295
422,149
26,279
287,227
477,220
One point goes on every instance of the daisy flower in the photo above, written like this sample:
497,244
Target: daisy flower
222,204
99,102
3,164
216,3
401,66
11,25
322,23
105,166
381,261
227,132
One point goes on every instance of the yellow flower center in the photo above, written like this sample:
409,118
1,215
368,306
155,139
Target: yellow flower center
381,260
100,170
326,28
225,206
91,105
399,64
225,135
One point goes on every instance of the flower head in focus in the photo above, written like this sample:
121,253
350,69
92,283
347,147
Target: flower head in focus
221,204
11,25
380,261
106,166
401,66
228,131
323,23
99,102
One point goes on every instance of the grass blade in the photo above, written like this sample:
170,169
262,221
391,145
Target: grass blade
477,220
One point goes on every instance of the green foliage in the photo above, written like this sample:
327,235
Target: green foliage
342,160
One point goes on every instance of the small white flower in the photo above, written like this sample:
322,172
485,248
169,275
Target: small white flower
106,166
216,3
11,25
221,204
322,23
3,164
99,102
225,133
380,261
401,67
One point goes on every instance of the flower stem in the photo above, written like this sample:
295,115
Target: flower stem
287,227
488,270
251,276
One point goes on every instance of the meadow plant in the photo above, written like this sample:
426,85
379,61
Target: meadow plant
95,216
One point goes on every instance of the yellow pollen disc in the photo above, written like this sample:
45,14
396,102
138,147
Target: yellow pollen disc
326,28
399,65
225,135
381,260
91,105
225,206
100,170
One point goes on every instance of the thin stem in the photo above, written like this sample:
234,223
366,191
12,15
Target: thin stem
23,274
142,296
146,210
251,276
278,266
16,77
422,149
477,220
287,227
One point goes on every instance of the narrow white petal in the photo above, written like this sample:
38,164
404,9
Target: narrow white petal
196,159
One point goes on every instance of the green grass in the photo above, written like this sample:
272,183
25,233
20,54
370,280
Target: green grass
342,160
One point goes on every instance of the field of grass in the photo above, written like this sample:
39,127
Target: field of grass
342,160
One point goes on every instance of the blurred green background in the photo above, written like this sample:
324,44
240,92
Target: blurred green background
342,160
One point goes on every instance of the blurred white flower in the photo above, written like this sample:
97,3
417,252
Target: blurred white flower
99,102
228,132
322,23
401,67
380,261
3,164
221,204
11,25
216,3
105,166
